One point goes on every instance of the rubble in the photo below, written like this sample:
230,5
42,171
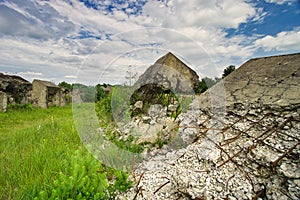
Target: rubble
236,162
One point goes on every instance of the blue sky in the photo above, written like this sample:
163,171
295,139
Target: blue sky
93,41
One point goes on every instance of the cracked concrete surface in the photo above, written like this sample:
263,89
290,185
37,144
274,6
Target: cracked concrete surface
267,81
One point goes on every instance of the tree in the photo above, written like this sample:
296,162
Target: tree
100,93
65,85
228,70
206,83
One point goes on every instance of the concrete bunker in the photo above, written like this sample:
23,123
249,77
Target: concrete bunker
46,93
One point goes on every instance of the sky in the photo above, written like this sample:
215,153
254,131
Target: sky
101,41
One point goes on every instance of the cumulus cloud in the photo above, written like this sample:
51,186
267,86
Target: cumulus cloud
29,19
100,39
283,41
219,14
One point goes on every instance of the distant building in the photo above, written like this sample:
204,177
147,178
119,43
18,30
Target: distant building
46,93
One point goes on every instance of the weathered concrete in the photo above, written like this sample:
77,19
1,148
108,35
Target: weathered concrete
186,73
169,72
3,101
17,89
240,141
45,94
267,81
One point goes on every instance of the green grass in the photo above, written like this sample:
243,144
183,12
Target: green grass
33,146
37,149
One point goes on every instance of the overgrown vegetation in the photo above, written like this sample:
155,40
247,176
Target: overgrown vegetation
151,94
86,178
104,110
42,157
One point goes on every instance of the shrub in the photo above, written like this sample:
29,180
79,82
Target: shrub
86,179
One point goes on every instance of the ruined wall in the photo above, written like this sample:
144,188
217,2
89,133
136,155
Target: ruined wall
170,73
238,140
3,101
17,89
45,94
267,81
39,95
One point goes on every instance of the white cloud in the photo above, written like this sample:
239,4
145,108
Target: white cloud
31,73
195,13
283,41
70,77
32,20
280,2
49,36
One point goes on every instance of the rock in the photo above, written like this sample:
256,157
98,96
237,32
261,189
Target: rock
156,111
219,189
149,132
290,170
138,105
146,119
172,107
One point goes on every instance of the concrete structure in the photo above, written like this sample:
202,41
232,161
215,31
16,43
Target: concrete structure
238,140
17,90
169,72
3,101
267,81
45,94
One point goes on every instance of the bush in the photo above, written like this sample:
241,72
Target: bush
86,179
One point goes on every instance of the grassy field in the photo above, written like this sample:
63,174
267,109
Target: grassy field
36,147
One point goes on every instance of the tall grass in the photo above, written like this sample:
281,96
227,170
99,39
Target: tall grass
35,145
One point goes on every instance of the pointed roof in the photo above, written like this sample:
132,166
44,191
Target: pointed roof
166,59
172,61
